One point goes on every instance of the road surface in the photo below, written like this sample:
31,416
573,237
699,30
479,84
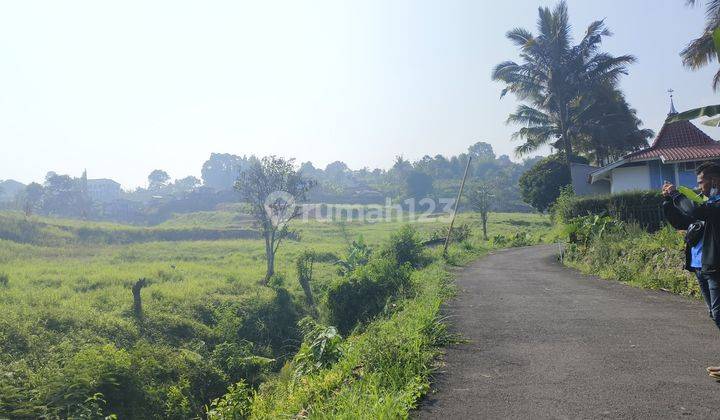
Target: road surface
548,342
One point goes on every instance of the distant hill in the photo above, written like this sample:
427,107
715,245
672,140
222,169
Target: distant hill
9,188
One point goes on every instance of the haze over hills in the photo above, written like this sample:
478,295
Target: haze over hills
436,177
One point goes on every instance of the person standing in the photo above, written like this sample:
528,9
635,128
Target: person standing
702,251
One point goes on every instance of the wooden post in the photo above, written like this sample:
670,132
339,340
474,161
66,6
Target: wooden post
457,201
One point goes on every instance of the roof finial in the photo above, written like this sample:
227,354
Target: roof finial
672,105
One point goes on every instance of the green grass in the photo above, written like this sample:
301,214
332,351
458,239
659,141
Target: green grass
637,258
68,321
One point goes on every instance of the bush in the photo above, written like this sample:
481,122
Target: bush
516,240
94,369
583,230
641,207
364,294
626,253
459,233
358,254
405,247
236,404
321,348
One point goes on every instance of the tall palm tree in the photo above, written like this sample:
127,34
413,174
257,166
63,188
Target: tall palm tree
552,76
701,51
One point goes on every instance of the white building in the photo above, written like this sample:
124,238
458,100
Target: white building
103,190
673,156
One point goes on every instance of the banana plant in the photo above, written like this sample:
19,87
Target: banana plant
706,111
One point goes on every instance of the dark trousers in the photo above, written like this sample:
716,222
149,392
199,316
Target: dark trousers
710,287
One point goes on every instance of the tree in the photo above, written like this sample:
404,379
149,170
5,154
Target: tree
158,179
481,200
336,170
481,151
400,168
418,184
540,186
608,128
273,188
553,75
702,50
222,169
62,195
31,198
188,183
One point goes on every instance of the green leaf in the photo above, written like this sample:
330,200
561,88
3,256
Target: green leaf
716,39
712,122
706,111
692,195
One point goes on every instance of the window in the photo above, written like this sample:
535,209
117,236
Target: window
688,166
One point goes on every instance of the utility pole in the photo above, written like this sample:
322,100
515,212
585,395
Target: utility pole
457,201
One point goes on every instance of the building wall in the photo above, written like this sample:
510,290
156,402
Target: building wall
103,191
580,180
630,178
686,174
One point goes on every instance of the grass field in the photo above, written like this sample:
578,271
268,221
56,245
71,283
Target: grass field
68,329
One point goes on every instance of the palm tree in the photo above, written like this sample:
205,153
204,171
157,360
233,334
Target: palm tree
607,127
701,51
552,77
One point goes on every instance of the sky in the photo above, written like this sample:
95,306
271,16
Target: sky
122,88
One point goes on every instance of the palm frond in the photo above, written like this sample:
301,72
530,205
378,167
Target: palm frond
520,37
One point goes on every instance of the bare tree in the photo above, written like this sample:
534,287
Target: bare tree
481,200
273,188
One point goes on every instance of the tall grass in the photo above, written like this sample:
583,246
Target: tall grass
633,256
68,322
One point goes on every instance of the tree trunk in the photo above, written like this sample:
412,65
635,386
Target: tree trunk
137,299
270,256
308,292
567,146
484,225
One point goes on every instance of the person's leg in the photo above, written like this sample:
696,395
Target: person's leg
713,284
703,284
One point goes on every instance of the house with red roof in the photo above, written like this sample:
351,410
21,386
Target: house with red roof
673,156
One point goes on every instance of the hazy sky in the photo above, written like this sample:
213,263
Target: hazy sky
122,88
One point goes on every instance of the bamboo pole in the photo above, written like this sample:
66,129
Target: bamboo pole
457,201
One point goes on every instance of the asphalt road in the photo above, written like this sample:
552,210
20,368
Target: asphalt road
548,342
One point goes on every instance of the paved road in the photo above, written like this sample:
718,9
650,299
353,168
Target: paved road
547,342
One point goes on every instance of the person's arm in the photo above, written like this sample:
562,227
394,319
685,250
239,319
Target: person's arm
674,217
690,209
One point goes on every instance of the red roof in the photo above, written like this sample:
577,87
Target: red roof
679,141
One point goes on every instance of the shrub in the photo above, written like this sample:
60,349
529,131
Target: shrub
641,207
236,404
304,266
516,240
237,361
459,233
358,254
365,292
321,348
405,247
94,369
583,230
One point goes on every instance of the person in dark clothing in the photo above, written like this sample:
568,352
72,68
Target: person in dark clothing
702,251
693,241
